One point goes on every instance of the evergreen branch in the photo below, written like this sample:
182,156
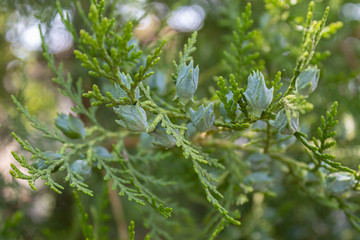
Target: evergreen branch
131,186
67,85
66,21
326,158
185,56
149,179
236,100
233,126
132,232
108,70
324,132
159,226
189,48
76,180
277,84
109,100
111,55
101,218
150,62
48,163
86,227
206,179
218,228
120,183
34,173
188,151
36,124
76,95
150,197
311,37
108,51
238,60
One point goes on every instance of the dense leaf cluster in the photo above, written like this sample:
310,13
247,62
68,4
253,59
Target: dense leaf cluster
201,134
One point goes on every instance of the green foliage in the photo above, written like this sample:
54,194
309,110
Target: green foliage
86,228
132,232
311,37
185,56
239,58
229,162
324,132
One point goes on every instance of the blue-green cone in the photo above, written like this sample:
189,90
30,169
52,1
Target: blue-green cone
203,119
307,81
162,138
190,130
287,125
102,152
157,82
338,183
186,82
70,126
257,95
81,167
132,117
119,92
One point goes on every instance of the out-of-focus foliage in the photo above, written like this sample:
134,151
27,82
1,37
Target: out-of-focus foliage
153,140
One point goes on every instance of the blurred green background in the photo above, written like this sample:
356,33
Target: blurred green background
24,73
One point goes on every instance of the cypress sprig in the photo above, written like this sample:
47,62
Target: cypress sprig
232,104
238,150
324,132
132,232
240,58
109,100
185,56
311,37
86,227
